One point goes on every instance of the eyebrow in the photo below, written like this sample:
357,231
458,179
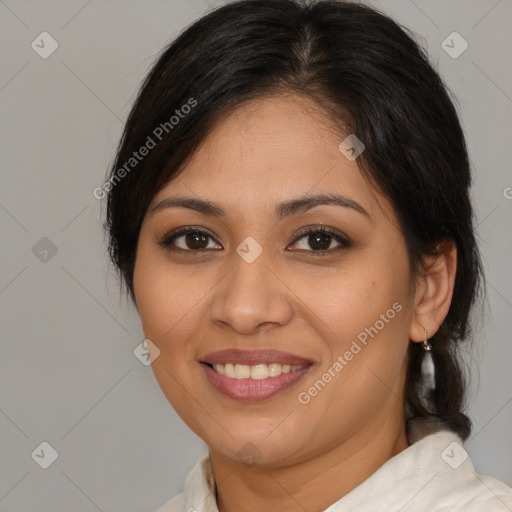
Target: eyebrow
282,210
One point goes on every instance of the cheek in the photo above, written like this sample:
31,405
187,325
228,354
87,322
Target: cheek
161,299
155,286
171,300
343,301
168,309
363,314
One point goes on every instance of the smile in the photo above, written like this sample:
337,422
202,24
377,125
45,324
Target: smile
253,383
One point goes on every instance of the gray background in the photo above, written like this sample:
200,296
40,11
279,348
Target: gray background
68,374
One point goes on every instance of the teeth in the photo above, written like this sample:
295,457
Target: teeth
258,371
229,370
242,371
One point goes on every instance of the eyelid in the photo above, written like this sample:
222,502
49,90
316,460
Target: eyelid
167,239
340,237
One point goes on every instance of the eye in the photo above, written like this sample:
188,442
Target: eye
320,239
193,240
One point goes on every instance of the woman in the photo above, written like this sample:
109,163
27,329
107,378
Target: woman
289,210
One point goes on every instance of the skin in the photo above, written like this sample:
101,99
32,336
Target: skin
290,299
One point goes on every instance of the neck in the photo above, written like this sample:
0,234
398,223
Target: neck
313,484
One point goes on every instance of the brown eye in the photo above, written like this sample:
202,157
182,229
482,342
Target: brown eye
320,240
316,240
196,240
188,239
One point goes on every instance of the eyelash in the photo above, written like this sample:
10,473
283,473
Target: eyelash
342,240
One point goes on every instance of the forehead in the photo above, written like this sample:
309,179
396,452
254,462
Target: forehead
267,151
283,135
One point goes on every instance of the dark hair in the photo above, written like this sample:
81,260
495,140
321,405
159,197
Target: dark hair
373,80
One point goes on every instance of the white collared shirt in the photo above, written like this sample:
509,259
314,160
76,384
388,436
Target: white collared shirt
433,474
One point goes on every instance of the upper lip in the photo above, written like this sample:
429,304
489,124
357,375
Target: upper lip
251,357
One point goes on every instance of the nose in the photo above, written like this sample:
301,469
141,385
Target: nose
251,296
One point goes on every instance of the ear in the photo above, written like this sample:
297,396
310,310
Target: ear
434,290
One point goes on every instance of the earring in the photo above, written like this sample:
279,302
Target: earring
426,345
427,368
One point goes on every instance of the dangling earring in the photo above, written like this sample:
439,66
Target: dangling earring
427,367
426,344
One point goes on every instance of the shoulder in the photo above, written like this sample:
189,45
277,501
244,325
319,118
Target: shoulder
455,485
478,493
434,473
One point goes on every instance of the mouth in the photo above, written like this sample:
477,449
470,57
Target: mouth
253,375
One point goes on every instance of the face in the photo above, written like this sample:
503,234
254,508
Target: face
256,275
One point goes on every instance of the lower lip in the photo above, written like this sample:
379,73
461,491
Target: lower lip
253,389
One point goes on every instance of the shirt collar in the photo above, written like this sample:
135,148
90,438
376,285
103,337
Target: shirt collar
427,437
